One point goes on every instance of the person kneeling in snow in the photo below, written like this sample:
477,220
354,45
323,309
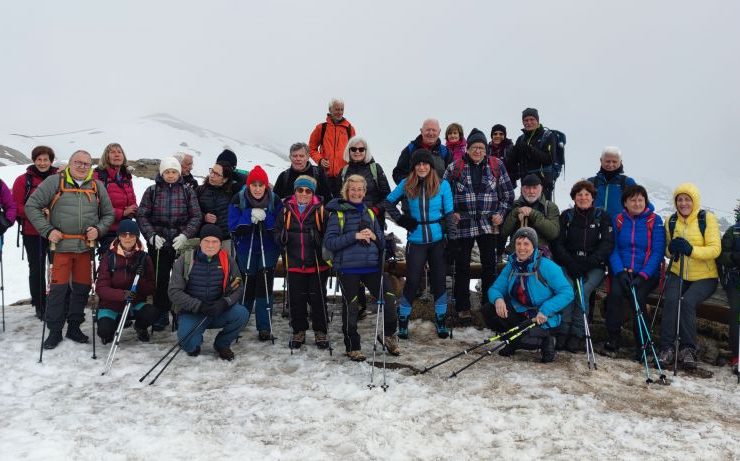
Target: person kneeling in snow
205,286
118,267
530,286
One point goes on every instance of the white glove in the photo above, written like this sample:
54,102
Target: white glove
258,215
179,241
157,241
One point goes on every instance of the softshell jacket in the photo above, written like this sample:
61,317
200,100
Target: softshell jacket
632,247
548,288
440,155
540,158
168,210
301,234
430,212
349,253
19,195
701,263
586,239
609,193
111,285
205,282
545,219
75,209
120,190
246,233
332,147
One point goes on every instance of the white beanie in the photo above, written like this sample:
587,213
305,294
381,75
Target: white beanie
169,163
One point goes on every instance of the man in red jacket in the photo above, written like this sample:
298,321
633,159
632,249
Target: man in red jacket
327,143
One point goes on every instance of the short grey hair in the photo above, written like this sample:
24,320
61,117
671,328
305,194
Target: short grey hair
296,146
611,150
335,101
79,151
353,141
180,156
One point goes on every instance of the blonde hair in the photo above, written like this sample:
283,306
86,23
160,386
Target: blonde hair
355,178
104,162
431,183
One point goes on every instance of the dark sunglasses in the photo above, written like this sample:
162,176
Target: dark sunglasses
357,149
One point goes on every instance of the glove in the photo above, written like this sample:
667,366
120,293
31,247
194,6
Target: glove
735,256
258,215
680,246
574,270
624,280
408,222
637,281
157,242
215,308
179,242
127,295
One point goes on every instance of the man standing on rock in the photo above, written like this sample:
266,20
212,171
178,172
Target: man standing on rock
327,142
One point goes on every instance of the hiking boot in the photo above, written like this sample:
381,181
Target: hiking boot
548,349
574,345
391,345
356,356
403,327
465,317
264,335
362,313
53,340
560,341
297,340
142,334
225,354
322,340
39,313
687,356
508,350
195,352
161,323
612,344
665,357
106,340
75,334
439,322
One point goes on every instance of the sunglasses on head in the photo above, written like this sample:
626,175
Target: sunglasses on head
303,190
357,149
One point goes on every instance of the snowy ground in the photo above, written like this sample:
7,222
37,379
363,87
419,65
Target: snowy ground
269,404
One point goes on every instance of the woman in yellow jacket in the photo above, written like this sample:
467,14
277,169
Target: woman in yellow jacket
694,243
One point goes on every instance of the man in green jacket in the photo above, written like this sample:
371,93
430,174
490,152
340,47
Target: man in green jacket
535,211
72,210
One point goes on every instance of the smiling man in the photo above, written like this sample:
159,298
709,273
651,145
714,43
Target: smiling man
327,142
428,139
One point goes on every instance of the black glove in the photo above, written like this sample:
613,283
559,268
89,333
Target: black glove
735,256
215,308
637,281
408,222
680,246
574,270
624,280
5,224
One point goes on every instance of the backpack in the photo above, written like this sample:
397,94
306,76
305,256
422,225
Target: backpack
104,177
650,224
701,217
535,271
328,255
460,164
557,151
63,188
139,262
373,171
569,214
315,172
189,262
730,275
323,132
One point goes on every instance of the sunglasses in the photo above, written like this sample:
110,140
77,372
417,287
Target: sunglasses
303,190
357,149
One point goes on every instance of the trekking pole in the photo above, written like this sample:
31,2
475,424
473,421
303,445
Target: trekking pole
678,315
267,290
498,346
2,277
380,312
486,341
287,298
177,346
660,296
18,238
93,262
323,302
121,323
590,355
496,236
738,347
50,261
647,341
249,264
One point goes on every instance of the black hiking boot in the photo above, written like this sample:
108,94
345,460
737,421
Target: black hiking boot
142,334
574,345
560,342
53,340
612,344
195,352
548,349
508,350
75,334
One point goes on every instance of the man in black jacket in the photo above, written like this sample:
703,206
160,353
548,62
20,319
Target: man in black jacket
300,165
534,151
428,139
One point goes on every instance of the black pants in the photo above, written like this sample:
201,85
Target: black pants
486,246
351,286
143,318
36,250
532,339
615,313
303,289
416,256
162,260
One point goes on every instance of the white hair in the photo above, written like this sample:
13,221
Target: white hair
351,143
611,150
335,101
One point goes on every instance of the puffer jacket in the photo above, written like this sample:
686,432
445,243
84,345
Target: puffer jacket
205,282
584,242
120,190
701,263
430,212
549,291
168,210
112,284
632,247
301,235
215,200
349,253
332,147
7,204
609,193
246,233
376,191
75,209
19,194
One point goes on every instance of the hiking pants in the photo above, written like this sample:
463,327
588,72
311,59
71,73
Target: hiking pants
71,278
693,293
303,289
351,285
572,315
486,247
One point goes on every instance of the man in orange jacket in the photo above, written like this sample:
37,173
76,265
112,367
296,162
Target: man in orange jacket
327,143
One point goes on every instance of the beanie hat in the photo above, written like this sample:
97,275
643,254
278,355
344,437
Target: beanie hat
498,127
210,230
257,175
531,180
128,226
169,163
530,112
421,156
305,181
528,233
228,157
475,136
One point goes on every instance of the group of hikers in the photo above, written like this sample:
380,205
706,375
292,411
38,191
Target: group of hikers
212,248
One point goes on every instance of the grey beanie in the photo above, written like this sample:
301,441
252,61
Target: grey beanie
526,232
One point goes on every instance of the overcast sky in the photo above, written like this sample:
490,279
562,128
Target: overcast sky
657,78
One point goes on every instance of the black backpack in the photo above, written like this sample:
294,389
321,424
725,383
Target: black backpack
557,150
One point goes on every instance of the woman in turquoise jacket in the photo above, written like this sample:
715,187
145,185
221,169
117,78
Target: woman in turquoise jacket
530,286
427,216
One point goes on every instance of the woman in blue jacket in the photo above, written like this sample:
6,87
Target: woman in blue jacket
427,205
639,243
354,235
530,286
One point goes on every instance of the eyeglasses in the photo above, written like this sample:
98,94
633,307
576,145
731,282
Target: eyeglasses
215,173
478,148
303,190
79,164
357,149
127,235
